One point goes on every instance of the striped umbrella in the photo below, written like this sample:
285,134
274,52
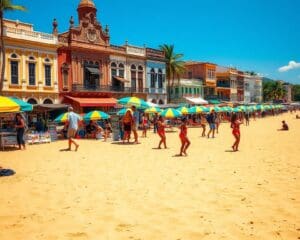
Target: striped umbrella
215,108
11,104
226,109
195,110
243,108
133,101
236,110
183,110
260,107
205,109
123,111
95,115
153,110
62,118
170,113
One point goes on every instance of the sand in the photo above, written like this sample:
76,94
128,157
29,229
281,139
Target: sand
109,191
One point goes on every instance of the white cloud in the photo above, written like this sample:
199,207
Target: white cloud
290,66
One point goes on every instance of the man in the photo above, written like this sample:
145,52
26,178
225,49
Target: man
135,124
211,120
73,120
285,127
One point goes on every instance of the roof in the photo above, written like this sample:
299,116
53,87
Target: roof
86,3
94,102
196,63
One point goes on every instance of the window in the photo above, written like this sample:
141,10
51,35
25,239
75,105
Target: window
186,90
121,70
190,90
113,69
160,78
48,75
140,78
14,70
31,71
190,75
152,78
133,77
176,90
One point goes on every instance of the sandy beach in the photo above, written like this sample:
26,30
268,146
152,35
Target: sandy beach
114,192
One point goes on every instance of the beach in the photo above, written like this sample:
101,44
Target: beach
115,192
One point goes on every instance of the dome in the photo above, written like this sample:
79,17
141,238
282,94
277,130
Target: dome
86,3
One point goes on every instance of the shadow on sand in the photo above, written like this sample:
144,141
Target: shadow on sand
6,172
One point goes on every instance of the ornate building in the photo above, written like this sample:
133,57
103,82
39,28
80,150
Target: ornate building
31,64
93,73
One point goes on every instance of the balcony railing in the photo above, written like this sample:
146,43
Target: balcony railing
223,85
105,88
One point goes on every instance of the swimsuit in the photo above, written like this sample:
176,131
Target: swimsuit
236,128
183,132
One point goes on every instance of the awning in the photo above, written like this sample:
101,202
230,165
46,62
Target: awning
123,80
214,101
94,71
94,102
49,107
198,100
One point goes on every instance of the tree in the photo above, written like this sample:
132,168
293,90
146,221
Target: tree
5,5
296,92
273,90
174,66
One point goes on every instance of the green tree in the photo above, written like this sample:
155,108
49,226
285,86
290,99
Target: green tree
273,90
5,5
174,66
296,92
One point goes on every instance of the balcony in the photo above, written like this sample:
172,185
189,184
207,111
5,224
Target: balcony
223,85
30,35
118,89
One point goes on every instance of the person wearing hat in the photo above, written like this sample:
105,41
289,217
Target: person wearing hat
73,120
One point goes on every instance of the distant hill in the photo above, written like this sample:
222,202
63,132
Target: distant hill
265,80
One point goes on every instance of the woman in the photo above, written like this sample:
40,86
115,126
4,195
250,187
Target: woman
20,126
127,124
235,125
144,125
185,142
108,130
203,124
161,132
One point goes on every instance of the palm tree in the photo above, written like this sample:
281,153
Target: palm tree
174,66
5,5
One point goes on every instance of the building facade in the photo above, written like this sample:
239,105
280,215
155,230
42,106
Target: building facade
227,79
186,89
204,72
93,72
31,64
288,92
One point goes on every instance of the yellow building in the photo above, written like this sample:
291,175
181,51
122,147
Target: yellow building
31,64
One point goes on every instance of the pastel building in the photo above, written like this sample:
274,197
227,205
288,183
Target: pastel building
227,89
31,64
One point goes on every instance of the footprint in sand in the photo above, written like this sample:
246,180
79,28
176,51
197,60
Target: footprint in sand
78,235
124,228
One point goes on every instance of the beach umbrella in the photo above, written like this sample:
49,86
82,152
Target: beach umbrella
62,118
249,109
204,109
195,110
226,109
183,110
153,110
215,108
243,108
95,115
133,101
123,111
236,110
170,113
260,107
12,104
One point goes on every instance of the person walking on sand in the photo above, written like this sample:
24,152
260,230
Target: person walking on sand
20,126
127,124
211,119
217,121
185,142
144,125
161,132
73,120
203,124
135,124
235,125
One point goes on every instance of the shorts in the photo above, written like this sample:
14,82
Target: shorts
134,128
212,126
127,127
72,133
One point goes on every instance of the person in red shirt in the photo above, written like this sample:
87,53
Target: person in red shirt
185,142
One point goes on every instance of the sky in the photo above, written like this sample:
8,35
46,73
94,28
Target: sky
254,35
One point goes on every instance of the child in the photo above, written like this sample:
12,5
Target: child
185,142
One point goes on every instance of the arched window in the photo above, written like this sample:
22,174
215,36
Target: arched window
32,101
140,78
121,70
31,72
31,58
47,60
48,101
152,78
154,101
133,77
160,78
113,69
160,102
14,69
47,73
65,75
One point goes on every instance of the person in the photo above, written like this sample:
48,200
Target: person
161,132
297,116
217,122
73,120
127,124
235,125
185,142
203,124
20,126
90,130
211,119
155,119
121,128
284,127
144,125
108,130
135,124
247,118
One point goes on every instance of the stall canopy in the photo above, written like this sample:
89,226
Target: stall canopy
11,104
94,102
123,80
49,107
198,101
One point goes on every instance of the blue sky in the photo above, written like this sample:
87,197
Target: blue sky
255,35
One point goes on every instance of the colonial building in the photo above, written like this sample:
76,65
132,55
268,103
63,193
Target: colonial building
205,72
31,64
227,79
93,73
187,91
